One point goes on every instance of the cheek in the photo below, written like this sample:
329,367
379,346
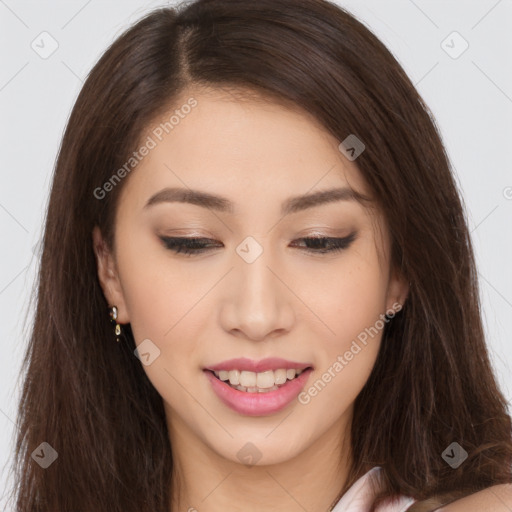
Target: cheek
162,303
348,296
159,296
349,302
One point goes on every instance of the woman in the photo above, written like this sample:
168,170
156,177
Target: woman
253,199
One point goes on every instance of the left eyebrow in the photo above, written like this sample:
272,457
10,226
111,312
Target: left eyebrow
222,204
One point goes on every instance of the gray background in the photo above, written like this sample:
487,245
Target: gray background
470,95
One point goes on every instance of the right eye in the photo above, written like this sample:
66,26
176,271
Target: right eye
188,245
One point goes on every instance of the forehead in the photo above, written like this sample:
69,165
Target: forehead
242,143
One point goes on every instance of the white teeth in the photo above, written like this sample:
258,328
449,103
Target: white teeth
247,379
257,382
273,388
265,379
234,377
280,376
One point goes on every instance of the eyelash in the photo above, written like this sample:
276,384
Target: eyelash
189,246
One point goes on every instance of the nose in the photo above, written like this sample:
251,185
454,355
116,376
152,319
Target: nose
258,303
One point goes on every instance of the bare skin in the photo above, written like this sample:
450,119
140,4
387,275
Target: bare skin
290,303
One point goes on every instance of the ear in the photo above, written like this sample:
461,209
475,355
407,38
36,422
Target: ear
398,291
108,276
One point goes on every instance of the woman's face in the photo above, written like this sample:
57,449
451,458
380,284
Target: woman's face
258,290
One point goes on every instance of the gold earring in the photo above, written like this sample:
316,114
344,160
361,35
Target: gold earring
113,318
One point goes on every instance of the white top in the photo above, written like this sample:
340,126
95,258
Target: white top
359,497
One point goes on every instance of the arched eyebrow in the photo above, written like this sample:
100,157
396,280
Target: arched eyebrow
224,205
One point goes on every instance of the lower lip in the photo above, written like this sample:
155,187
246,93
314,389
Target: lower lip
258,404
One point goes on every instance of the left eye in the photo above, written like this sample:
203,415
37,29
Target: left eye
327,244
191,246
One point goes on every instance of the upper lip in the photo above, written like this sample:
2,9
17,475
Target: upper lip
270,363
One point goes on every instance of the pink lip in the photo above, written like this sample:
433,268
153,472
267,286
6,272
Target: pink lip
270,363
258,404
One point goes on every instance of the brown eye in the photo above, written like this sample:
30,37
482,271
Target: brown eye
327,244
188,245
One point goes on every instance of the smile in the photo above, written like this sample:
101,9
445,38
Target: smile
264,393
260,382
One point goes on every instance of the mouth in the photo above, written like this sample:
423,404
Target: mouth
258,382
265,393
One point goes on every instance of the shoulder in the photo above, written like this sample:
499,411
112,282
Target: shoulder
497,498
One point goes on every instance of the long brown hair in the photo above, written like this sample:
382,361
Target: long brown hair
432,384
